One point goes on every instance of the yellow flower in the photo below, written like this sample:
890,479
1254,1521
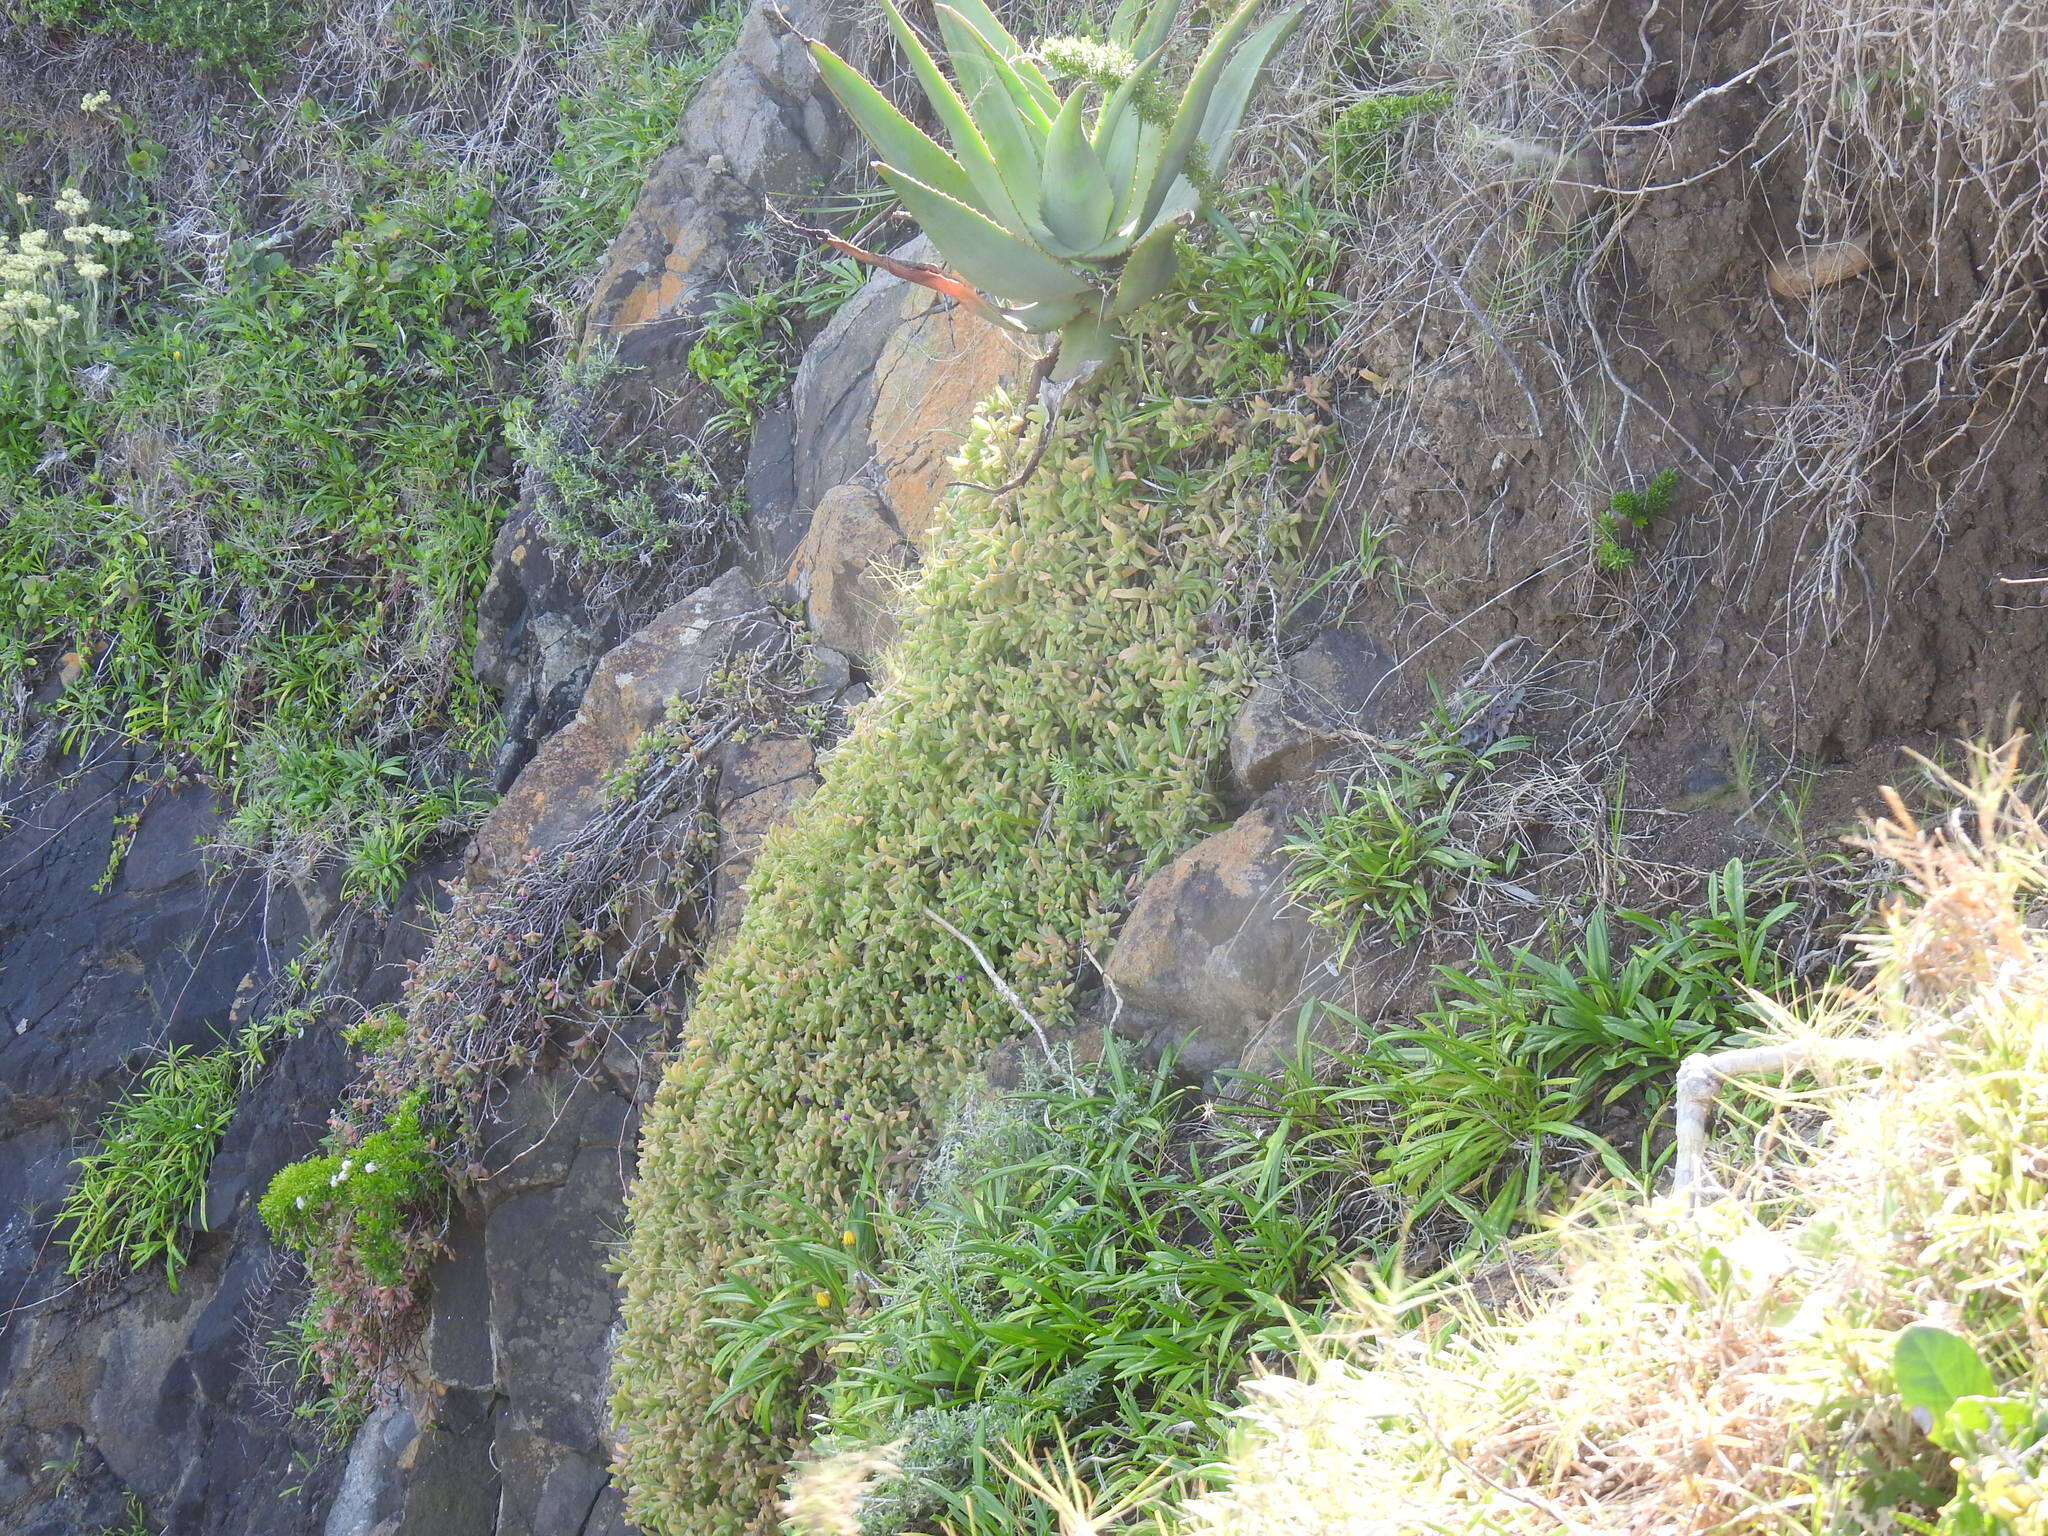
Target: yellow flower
823,1299
848,1238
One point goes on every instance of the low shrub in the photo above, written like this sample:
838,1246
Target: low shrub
1086,618
365,1218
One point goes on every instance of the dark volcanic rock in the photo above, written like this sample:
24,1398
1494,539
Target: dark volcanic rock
149,1390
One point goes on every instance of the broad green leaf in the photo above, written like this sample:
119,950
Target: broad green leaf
971,148
1016,146
1152,36
1120,131
1076,199
1194,107
984,253
1934,1367
1148,270
895,137
983,20
1240,78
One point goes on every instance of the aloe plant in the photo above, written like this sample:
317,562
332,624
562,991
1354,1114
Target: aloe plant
1058,214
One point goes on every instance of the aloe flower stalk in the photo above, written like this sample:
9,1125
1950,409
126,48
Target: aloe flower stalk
1058,214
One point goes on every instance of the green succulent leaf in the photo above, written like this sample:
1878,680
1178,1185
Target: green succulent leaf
1234,89
983,20
1120,130
972,149
1186,132
1076,197
895,137
982,251
1016,141
1150,268
1126,30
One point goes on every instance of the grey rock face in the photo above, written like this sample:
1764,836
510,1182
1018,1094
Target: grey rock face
1212,954
149,1390
1306,708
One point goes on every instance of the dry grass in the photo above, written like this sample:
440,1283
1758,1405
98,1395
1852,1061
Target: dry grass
1728,1368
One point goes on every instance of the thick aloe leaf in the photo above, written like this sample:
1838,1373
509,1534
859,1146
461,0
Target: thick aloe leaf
979,66
1017,145
1152,264
984,21
1123,25
1077,202
1051,315
1239,79
1194,107
895,137
983,252
991,193
1119,130
1152,36
1226,111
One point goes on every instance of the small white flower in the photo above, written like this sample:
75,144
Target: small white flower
73,204
300,1202
96,101
369,1167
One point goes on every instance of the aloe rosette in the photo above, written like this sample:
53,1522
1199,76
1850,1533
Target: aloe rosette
1062,219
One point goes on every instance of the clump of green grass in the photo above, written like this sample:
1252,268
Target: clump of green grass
1488,1092
249,35
1090,1261
746,353
135,1194
1070,620
1848,1342
250,509
1384,852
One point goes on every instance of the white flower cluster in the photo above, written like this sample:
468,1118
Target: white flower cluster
50,287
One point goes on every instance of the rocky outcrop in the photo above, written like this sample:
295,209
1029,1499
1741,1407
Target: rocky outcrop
675,657
1307,708
761,126
881,403
1213,957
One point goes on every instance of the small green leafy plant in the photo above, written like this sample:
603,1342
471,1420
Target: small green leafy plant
745,353
1384,852
1632,510
1091,1260
251,35
1998,1441
1065,222
1367,136
136,1192
1519,1053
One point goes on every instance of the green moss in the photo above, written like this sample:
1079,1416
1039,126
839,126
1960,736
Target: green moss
1080,621
364,1195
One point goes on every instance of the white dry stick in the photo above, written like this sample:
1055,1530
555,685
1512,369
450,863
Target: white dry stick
1700,1077
1002,986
